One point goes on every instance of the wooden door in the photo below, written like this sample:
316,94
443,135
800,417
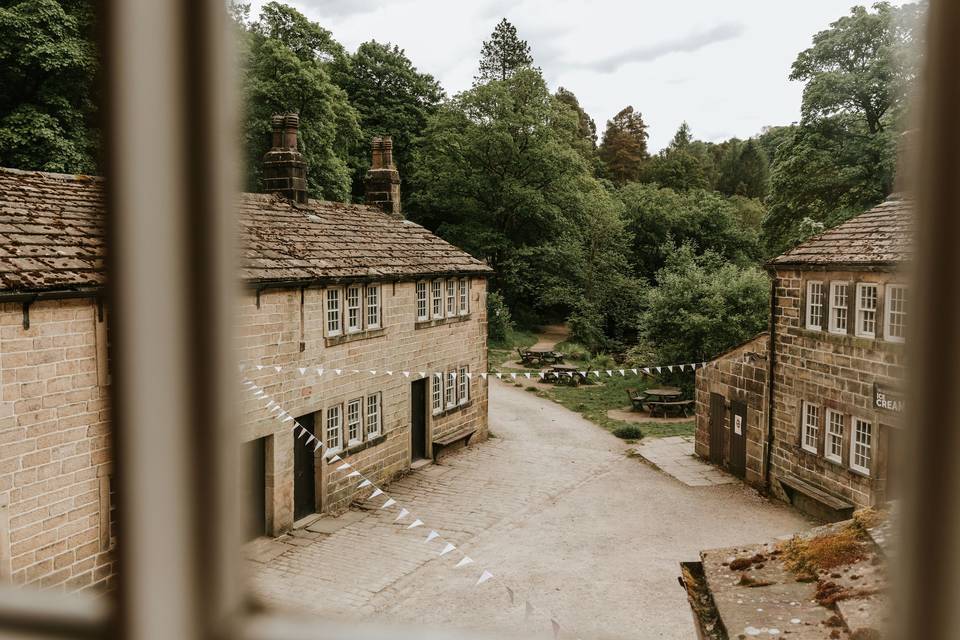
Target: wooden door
718,414
738,438
304,471
418,420
254,454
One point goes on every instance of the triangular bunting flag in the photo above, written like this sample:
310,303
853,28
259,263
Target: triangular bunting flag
513,375
486,575
389,373
483,375
353,474
389,503
302,431
344,466
584,374
528,375
403,514
500,376
416,523
469,375
259,367
406,374
634,371
335,458
319,371
376,492
287,419
365,483
682,366
372,372
659,369
317,446
464,561
302,370
609,373
447,549
310,439
431,536
596,373
423,374
338,371
278,368
670,368
622,372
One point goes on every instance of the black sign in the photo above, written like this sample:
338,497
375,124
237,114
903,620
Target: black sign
887,399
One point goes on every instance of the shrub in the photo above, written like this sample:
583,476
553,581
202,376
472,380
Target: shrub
628,432
499,323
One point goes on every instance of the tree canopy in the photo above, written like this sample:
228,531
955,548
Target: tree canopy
624,147
503,55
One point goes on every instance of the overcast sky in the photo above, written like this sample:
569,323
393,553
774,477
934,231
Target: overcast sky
720,65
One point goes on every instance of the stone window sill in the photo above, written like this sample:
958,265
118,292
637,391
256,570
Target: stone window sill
839,466
352,337
423,324
852,339
449,410
361,446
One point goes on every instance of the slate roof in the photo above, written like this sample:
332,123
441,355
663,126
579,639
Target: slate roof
51,238
880,236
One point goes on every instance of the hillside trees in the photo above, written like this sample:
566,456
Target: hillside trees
624,147
503,55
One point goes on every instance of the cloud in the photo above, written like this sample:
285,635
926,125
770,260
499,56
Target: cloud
340,8
684,44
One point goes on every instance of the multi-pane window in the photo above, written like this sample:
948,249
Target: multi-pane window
839,295
896,327
333,312
811,427
354,421
814,305
334,431
437,291
373,415
436,393
463,386
353,309
373,306
833,449
861,444
451,389
464,296
451,297
866,310
423,307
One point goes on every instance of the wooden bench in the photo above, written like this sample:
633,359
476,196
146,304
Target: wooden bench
527,357
815,501
679,406
463,434
637,398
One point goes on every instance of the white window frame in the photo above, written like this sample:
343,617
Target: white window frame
436,393
807,429
855,425
463,386
862,312
436,298
333,425
450,389
833,436
834,307
423,300
354,421
451,298
374,305
464,293
888,313
811,285
353,299
374,417
334,312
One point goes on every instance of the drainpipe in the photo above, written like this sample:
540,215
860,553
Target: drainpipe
771,361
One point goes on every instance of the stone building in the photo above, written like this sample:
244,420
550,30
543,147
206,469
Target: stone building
341,298
834,367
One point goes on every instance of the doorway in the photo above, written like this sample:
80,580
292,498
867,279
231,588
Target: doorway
304,471
738,438
254,454
718,413
418,420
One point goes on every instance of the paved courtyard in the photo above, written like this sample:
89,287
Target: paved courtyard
674,456
553,506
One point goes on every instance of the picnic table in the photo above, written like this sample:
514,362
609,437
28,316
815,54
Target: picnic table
665,400
532,357
564,374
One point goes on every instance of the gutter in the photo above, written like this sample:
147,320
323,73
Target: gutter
28,298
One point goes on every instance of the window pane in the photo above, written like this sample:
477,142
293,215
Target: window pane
373,306
333,428
373,414
333,311
353,308
353,420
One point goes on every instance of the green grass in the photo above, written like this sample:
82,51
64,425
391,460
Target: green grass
500,351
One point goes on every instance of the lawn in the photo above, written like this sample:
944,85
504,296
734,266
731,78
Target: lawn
500,351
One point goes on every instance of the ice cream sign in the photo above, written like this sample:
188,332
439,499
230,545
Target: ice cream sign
887,399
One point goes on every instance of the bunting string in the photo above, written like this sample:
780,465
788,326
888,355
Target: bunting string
404,516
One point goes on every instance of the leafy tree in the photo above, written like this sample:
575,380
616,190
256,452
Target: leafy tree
660,219
682,138
286,62
503,55
840,159
703,305
624,147
587,127
391,97
684,164
744,169
48,104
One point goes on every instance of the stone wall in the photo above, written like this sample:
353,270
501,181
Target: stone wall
55,529
55,470
836,371
739,374
272,335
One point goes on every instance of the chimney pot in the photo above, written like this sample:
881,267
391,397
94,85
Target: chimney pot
383,180
284,169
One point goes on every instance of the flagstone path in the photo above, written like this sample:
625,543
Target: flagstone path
553,507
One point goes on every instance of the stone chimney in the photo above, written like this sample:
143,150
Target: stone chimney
284,169
383,180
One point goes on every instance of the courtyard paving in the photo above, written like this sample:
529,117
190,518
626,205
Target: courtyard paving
553,506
